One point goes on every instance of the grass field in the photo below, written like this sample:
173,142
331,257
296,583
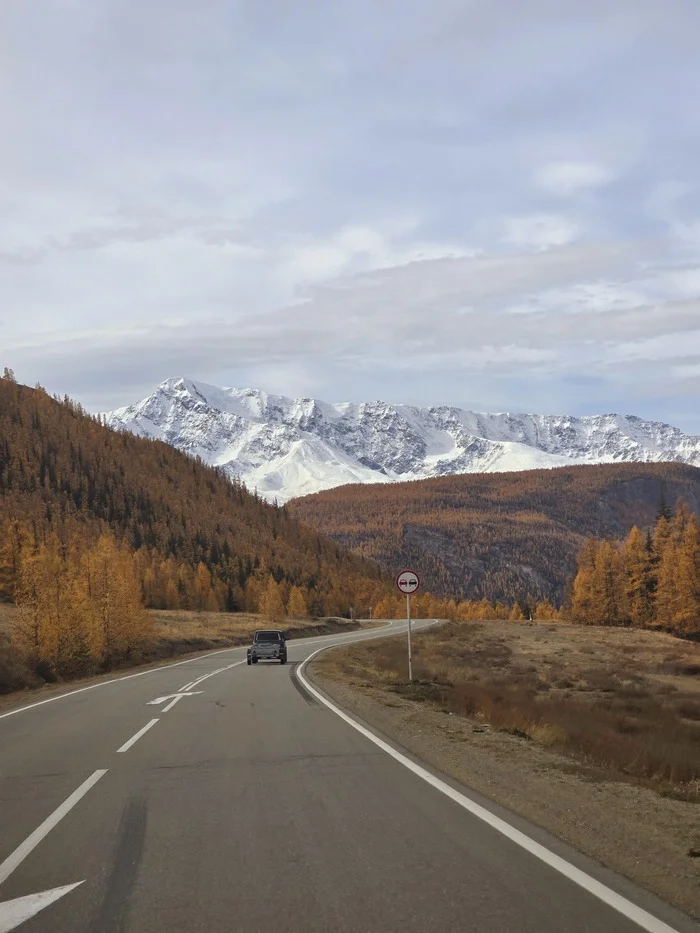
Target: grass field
622,701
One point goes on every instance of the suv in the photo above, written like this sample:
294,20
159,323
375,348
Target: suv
268,645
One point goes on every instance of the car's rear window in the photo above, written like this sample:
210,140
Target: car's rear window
267,636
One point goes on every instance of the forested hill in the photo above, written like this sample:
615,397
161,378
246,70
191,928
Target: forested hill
498,535
64,473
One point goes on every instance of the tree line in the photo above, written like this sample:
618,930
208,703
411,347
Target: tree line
429,606
652,580
80,608
81,605
199,541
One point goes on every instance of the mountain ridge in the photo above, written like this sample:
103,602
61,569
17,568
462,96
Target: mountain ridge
199,540
498,536
286,447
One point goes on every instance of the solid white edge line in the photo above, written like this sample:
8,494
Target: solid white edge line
134,738
31,842
623,906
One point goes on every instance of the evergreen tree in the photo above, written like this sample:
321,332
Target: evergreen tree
664,510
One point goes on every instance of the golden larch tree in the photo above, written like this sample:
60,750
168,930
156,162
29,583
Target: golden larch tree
271,605
685,605
582,592
516,613
608,586
296,604
637,565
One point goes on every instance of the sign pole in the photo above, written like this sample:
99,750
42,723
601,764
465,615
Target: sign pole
408,617
408,582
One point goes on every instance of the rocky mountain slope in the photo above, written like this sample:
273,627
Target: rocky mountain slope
287,447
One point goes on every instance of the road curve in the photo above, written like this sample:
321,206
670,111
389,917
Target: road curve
213,796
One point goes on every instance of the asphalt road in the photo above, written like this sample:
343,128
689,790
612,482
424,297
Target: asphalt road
249,805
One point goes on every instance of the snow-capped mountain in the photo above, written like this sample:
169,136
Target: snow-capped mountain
291,447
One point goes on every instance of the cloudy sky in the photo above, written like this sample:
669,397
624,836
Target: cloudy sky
488,203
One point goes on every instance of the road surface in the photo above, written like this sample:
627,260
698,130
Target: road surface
214,796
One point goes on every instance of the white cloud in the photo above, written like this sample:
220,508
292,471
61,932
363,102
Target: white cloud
567,178
415,315
358,249
540,231
685,282
583,298
687,372
196,169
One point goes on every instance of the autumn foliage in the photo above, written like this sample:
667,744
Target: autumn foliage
182,535
80,608
428,606
497,536
651,580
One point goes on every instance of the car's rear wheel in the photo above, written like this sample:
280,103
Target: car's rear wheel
255,660
249,661
283,660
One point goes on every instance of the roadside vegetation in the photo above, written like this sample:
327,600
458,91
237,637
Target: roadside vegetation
170,633
650,581
198,540
621,704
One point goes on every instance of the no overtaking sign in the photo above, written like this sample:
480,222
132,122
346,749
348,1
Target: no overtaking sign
408,582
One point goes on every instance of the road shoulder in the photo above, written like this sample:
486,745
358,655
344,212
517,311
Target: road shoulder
629,829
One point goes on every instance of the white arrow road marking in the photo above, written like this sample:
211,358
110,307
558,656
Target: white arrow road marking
195,683
174,697
115,680
12,913
31,842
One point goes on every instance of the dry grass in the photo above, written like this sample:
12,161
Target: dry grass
174,633
622,701
7,614
178,631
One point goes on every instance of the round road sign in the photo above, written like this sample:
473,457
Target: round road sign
408,582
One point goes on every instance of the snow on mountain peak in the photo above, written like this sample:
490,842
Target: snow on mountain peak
289,447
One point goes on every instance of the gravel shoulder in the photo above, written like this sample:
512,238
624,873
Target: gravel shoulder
628,828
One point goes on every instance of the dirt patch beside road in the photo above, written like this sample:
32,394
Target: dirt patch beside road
637,818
